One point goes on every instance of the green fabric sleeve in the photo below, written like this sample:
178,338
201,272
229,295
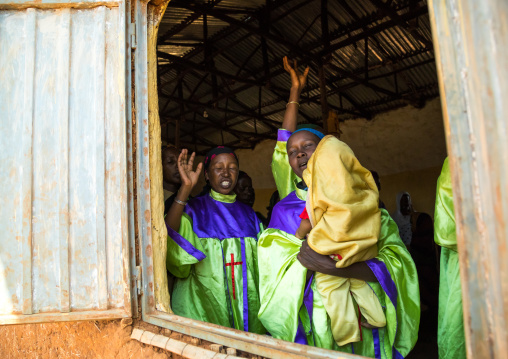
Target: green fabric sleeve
404,321
444,215
179,260
451,337
281,283
283,174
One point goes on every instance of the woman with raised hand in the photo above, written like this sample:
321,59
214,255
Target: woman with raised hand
291,306
212,246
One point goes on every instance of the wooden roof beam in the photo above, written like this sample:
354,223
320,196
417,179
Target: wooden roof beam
416,12
186,22
274,125
205,69
387,9
244,25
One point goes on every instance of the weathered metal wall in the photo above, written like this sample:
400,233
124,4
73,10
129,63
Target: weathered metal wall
64,237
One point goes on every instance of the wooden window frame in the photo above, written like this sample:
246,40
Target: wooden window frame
482,233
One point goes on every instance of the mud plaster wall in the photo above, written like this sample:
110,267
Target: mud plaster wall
100,339
405,146
89,340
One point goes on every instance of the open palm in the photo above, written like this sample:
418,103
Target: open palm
298,80
185,165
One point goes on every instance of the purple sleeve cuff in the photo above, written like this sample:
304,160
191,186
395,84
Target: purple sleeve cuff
283,135
185,244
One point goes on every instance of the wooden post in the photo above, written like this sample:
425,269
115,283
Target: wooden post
177,133
324,101
366,62
473,78
159,232
325,37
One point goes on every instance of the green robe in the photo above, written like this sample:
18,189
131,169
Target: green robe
214,260
451,338
290,306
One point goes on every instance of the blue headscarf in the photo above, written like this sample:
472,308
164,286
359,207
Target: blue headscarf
311,130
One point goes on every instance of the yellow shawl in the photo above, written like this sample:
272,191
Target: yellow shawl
342,204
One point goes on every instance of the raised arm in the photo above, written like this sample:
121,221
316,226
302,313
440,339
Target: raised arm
189,180
298,82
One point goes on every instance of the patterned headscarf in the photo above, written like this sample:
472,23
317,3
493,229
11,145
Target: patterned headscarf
215,152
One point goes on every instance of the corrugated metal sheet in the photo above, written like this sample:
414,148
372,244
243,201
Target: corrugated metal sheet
64,238
400,61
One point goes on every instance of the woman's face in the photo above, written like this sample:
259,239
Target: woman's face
300,147
405,205
222,173
170,172
244,191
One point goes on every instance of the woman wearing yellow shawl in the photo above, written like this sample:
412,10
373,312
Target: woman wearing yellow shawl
291,306
342,206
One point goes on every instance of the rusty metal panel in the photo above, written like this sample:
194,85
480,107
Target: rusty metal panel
64,218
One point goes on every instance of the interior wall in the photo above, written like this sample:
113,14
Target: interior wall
406,139
421,185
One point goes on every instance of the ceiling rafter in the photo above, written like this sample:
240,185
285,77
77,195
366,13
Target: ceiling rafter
340,77
259,72
244,25
186,22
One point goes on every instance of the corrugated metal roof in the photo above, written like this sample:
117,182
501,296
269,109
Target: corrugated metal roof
399,68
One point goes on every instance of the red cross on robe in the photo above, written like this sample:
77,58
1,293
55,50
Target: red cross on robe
232,265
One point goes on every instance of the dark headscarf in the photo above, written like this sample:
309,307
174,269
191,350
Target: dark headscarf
215,152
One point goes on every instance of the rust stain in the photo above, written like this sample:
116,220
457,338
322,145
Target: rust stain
145,121
149,230
151,301
147,197
27,206
145,151
147,215
149,250
149,270
147,183
14,300
150,285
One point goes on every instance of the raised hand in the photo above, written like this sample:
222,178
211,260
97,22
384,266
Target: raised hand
185,167
298,80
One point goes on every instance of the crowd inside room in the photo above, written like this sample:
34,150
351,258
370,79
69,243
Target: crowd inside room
355,283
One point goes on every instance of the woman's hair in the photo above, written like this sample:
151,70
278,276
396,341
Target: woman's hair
210,155
242,174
